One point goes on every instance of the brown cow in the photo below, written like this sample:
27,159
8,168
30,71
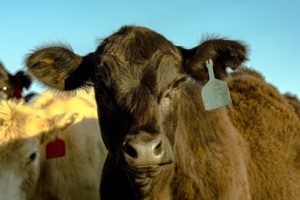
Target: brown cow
162,143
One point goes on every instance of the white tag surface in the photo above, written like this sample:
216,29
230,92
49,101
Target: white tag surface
215,93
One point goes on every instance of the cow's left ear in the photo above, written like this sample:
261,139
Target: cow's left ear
60,68
224,53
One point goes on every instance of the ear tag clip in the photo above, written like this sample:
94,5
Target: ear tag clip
55,149
215,93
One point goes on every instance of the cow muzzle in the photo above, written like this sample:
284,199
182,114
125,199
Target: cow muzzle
145,150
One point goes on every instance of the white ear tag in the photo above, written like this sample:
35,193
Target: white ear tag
215,93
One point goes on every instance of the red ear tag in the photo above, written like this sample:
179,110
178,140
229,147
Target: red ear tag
55,149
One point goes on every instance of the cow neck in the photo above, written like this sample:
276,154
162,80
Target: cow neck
204,141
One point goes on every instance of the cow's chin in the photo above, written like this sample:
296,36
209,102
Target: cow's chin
144,178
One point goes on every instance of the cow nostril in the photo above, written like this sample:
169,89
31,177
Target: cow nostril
129,150
158,149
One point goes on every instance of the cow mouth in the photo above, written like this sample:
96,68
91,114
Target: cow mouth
141,177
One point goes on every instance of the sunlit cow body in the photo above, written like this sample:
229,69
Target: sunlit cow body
162,143
25,171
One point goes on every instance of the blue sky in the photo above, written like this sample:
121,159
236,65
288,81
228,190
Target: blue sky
270,28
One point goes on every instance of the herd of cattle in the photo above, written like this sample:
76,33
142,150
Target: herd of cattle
136,127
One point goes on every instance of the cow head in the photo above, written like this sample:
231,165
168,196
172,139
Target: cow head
24,132
11,86
138,76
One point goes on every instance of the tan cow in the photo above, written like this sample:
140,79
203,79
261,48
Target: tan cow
25,131
294,101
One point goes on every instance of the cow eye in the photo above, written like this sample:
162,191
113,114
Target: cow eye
178,81
174,86
32,157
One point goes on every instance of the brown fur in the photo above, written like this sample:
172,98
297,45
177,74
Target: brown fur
249,150
294,101
268,125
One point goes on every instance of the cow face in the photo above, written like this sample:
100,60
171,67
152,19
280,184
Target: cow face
19,168
138,112
23,135
137,76
11,86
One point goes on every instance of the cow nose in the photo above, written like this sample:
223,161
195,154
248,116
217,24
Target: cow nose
143,151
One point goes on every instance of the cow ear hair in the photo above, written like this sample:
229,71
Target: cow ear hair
59,67
57,124
62,121
224,53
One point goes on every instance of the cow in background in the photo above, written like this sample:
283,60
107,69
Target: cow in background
30,169
294,101
162,143
11,86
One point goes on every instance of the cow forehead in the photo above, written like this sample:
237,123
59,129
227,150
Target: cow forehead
136,44
36,125
19,121
162,67
135,55
132,83
30,127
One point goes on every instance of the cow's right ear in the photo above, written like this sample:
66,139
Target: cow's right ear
60,68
